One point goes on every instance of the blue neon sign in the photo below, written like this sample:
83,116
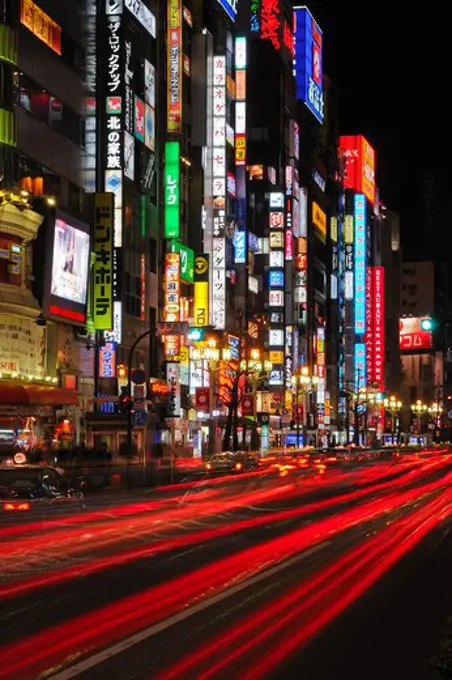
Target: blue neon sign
360,365
308,61
230,7
276,278
360,264
240,247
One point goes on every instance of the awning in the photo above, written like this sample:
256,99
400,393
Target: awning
32,394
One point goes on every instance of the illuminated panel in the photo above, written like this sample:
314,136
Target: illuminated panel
308,61
360,264
171,304
412,337
319,218
230,7
41,25
271,22
255,21
359,165
360,365
174,66
379,325
171,187
103,237
370,325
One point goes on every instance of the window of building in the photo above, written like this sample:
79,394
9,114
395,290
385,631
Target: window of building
6,85
49,110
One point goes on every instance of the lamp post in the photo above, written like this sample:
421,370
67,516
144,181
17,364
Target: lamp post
436,411
307,382
419,408
393,405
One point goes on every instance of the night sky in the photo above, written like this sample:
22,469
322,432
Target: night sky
361,56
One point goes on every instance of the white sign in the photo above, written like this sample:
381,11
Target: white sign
173,382
22,346
277,200
129,156
240,118
143,15
276,259
276,337
240,52
149,83
115,335
253,284
276,298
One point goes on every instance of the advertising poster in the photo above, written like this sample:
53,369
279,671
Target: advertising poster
70,263
174,61
139,119
149,127
149,83
129,156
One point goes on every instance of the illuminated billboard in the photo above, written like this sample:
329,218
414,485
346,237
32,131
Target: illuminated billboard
308,61
360,365
171,183
171,304
270,20
187,261
41,25
378,326
174,66
359,165
66,292
360,253
412,336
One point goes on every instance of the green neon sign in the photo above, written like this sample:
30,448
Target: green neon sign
187,261
171,184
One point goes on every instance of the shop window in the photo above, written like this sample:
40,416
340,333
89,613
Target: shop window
11,259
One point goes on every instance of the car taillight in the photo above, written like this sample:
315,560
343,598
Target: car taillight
16,506
208,466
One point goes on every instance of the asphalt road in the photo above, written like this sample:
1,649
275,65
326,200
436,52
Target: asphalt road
276,574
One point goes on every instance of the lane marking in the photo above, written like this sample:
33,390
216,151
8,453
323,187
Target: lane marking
122,646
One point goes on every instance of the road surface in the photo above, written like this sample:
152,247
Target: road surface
279,573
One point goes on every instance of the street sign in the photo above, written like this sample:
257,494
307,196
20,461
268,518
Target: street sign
138,376
140,417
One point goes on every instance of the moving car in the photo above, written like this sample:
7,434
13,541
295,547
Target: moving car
25,487
231,462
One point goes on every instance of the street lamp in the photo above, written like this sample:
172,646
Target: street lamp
393,405
436,411
419,408
306,382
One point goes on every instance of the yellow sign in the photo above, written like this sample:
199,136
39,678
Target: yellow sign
103,264
201,265
276,239
319,218
174,67
276,356
41,25
348,231
201,304
333,229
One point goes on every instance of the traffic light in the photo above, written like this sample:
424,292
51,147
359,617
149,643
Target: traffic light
196,334
125,401
427,324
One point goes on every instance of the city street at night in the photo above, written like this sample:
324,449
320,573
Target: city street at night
280,572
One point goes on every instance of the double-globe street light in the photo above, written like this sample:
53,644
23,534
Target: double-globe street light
303,382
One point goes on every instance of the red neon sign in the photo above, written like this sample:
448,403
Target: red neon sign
412,337
359,159
379,325
270,22
369,326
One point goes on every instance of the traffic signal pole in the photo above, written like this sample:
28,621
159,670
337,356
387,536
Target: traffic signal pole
129,391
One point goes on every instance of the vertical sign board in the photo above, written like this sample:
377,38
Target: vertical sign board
107,360
308,61
173,396
370,325
171,302
379,325
359,159
103,263
218,269
201,297
276,279
360,264
171,190
360,366
111,109
174,65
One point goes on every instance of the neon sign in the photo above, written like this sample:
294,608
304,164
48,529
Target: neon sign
360,264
